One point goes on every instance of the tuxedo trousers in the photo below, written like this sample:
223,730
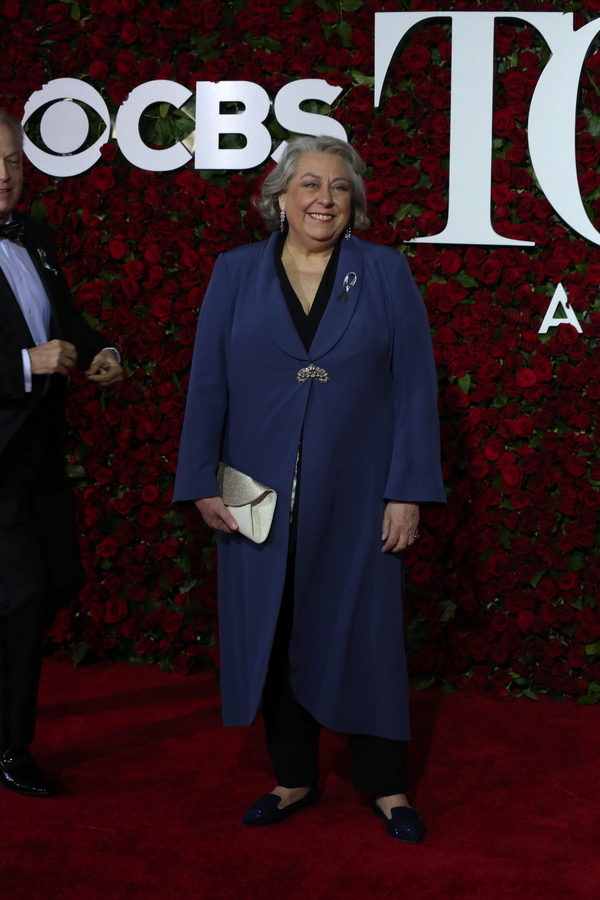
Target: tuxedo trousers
40,568
379,765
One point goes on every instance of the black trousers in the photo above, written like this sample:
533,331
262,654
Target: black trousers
380,765
40,569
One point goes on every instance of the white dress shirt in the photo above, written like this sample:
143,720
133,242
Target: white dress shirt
31,296
27,287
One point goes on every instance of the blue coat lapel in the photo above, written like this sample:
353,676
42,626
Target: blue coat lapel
273,306
342,303
337,316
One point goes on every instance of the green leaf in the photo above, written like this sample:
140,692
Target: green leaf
591,649
183,562
187,587
576,562
75,12
345,32
449,610
404,209
466,280
423,685
447,689
531,695
76,472
204,46
264,42
360,78
351,5
79,653
81,453
465,383
38,209
588,699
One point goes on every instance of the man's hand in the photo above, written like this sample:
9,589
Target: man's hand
215,514
400,526
104,368
55,357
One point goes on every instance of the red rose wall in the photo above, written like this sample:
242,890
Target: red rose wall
504,581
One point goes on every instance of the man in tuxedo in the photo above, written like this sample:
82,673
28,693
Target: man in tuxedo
41,338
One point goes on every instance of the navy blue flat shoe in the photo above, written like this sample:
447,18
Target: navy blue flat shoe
405,824
266,810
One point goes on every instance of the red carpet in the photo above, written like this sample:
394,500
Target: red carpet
154,789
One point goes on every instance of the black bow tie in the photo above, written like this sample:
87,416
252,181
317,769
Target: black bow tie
14,231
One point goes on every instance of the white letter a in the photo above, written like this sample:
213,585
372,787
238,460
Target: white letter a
559,299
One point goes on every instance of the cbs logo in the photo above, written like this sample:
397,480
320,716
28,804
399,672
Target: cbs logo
73,122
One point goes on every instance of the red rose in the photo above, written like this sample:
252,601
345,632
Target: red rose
147,517
116,609
172,624
161,307
125,62
450,262
129,33
586,633
577,656
107,548
415,57
118,249
102,179
56,12
526,620
150,493
98,70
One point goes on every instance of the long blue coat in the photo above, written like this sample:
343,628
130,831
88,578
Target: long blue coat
369,434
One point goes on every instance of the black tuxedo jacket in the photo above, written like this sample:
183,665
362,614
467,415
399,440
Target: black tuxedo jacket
65,324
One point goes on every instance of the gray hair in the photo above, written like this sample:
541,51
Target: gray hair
13,123
279,178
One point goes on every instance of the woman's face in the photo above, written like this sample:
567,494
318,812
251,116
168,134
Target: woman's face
318,201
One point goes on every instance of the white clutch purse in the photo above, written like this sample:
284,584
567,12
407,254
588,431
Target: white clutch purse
251,503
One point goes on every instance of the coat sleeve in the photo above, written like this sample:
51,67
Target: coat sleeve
415,471
12,380
207,394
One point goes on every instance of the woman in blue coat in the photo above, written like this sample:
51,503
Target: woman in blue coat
313,373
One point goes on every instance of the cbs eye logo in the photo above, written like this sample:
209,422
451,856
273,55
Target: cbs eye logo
65,127
71,121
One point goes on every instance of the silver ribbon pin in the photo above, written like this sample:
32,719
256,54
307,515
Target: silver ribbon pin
350,280
44,261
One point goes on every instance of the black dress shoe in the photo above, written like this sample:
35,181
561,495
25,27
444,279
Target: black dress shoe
405,824
20,774
266,810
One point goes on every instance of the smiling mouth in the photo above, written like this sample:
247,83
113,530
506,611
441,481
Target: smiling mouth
321,218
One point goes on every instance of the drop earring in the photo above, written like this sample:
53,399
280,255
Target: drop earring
282,220
348,232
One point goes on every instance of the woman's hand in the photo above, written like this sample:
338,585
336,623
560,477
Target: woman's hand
400,526
215,514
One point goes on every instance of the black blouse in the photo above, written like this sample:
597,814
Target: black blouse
307,323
